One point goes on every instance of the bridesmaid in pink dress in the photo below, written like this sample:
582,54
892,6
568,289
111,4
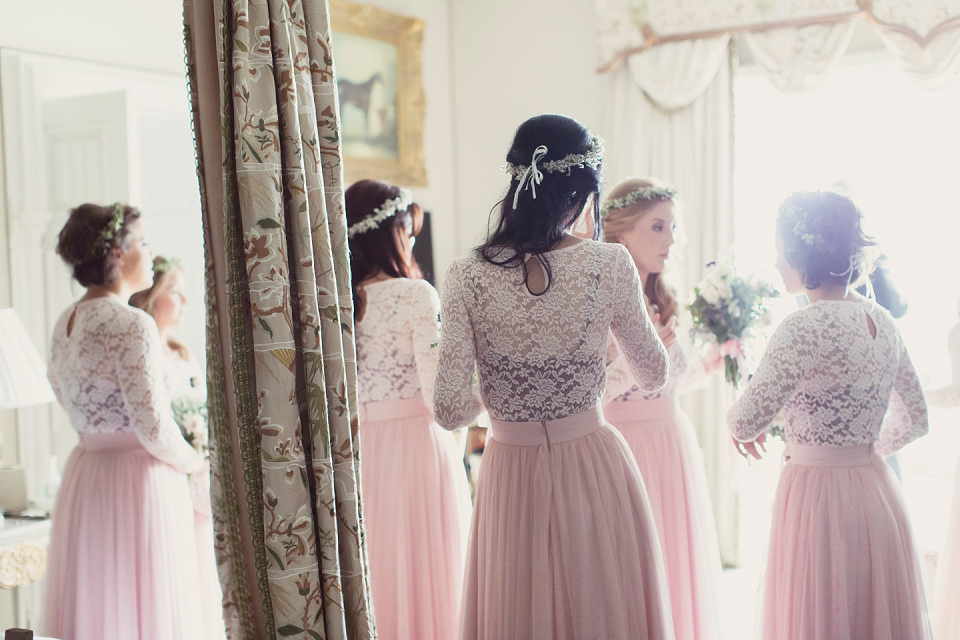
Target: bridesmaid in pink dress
165,302
123,557
563,543
946,592
842,562
416,500
640,215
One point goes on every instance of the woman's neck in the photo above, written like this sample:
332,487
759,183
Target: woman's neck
117,289
379,276
830,292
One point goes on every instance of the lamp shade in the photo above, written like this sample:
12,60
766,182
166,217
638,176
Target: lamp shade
23,376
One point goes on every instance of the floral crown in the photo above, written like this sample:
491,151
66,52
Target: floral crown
531,175
381,213
643,193
162,265
109,231
801,224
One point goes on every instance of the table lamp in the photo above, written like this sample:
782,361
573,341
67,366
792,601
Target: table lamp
23,382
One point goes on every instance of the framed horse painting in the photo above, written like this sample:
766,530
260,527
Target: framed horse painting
380,85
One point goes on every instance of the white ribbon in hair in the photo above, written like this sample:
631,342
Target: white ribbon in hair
532,176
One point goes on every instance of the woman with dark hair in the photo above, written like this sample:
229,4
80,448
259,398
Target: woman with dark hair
842,562
562,544
165,302
123,562
641,215
416,501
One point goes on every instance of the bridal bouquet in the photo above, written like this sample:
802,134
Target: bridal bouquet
725,308
191,414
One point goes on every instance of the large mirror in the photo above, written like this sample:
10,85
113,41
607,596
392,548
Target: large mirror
79,132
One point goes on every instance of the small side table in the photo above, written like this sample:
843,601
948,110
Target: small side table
23,563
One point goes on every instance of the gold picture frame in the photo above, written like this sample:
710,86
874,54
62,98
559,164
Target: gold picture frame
378,59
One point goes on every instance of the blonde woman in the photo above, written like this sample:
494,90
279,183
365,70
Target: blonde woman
165,302
641,215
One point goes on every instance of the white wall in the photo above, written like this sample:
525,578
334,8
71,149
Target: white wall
513,60
143,34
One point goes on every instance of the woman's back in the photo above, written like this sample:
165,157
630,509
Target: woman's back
839,365
397,340
98,364
542,357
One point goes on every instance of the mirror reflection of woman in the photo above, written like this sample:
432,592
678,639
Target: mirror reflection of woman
641,215
562,544
842,562
165,302
416,501
122,557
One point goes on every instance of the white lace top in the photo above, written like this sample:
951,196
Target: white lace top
684,376
397,340
183,377
108,375
949,396
835,382
541,357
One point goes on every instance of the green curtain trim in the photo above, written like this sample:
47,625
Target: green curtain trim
217,399
250,453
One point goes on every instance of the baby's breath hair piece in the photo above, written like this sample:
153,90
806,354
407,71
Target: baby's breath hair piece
643,193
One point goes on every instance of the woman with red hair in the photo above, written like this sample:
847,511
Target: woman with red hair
416,502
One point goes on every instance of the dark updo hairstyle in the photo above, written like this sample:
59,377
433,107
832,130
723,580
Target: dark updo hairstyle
386,248
538,224
80,245
823,239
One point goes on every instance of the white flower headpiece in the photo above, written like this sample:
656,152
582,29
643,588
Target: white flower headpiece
798,215
643,193
381,213
531,175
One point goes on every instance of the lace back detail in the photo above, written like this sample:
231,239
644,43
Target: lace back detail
835,381
541,357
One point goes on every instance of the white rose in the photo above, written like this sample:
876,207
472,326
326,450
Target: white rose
711,294
724,272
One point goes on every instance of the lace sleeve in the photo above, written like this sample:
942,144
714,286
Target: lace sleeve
619,379
949,396
790,355
906,418
425,328
456,399
636,337
138,358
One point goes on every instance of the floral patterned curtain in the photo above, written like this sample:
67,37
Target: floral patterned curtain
280,350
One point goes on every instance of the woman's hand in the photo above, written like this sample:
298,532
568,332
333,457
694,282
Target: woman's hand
753,448
712,360
666,332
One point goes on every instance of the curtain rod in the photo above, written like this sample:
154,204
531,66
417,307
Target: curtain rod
651,39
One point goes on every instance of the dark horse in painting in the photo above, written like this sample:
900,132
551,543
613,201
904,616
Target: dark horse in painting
358,94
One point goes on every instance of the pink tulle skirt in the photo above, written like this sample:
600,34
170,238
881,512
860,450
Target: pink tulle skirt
946,595
665,445
123,552
563,544
842,562
416,512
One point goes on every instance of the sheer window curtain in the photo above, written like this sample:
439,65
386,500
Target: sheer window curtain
670,116
280,350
